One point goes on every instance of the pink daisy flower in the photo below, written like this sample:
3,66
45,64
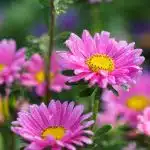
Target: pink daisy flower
34,75
101,59
11,62
132,102
57,126
144,122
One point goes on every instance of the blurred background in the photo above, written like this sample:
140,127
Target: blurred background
125,19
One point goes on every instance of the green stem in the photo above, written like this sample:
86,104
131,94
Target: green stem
95,103
13,142
95,108
50,49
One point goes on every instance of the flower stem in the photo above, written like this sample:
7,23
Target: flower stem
13,142
95,103
50,49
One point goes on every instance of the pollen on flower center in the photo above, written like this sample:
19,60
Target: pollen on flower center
2,67
40,76
57,132
99,62
138,103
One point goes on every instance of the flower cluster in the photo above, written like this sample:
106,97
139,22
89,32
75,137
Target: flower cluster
102,61
13,62
102,72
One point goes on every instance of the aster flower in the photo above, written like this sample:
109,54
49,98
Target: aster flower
34,75
144,122
11,62
57,126
132,102
101,59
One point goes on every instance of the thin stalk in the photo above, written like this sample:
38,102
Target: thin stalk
95,108
13,142
95,104
50,49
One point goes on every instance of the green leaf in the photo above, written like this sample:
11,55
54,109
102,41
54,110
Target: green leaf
113,90
81,82
68,72
124,128
103,130
86,92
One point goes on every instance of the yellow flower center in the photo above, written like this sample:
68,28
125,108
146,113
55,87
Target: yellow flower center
57,132
138,103
2,67
40,76
99,62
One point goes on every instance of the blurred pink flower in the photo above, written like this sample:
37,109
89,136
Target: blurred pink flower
101,59
132,102
130,146
34,75
110,115
60,125
11,62
144,122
